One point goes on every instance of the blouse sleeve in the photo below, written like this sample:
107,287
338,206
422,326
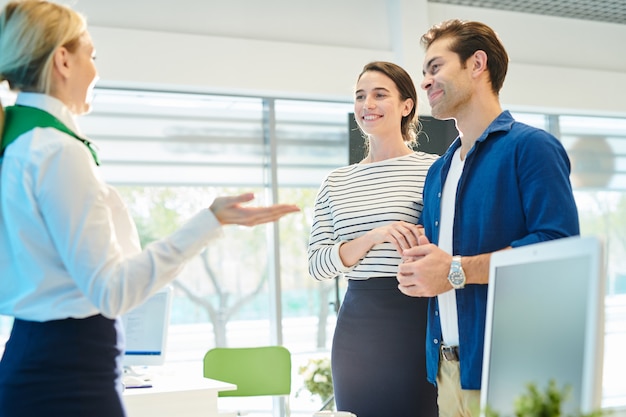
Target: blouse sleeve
324,243
95,248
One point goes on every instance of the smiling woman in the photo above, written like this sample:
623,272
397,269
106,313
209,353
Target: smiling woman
365,215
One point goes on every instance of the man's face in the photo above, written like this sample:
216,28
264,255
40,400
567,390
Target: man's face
446,81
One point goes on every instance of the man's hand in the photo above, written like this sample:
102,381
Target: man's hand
424,273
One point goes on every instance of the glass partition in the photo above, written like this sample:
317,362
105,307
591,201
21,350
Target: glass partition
171,153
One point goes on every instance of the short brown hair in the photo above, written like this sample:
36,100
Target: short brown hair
468,37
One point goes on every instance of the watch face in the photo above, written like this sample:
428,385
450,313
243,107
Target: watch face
457,278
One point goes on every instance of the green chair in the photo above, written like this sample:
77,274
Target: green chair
257,371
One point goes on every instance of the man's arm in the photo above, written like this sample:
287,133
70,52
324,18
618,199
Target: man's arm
425,270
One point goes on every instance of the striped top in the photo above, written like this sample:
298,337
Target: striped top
358,198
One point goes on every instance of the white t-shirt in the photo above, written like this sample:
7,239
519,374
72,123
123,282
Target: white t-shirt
447,300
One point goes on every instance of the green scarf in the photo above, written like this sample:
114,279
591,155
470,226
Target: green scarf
21,119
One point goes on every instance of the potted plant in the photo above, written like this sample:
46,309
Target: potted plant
318,380
535,403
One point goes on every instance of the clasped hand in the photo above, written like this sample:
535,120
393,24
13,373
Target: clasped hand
424,272
401,235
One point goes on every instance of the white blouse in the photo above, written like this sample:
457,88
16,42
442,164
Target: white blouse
68,245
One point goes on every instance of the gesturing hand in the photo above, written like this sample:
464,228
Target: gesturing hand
229,210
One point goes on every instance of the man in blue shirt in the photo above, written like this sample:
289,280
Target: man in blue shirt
500,185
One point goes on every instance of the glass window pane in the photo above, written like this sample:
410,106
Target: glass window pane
533,119
170,138
597,149
312,139
171,154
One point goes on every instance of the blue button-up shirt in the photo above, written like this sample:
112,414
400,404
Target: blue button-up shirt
514,191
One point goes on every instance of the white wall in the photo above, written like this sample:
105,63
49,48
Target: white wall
277,47
296,48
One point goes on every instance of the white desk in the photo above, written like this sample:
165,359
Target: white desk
176,397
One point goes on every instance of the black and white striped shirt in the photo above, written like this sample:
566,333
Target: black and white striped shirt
358,198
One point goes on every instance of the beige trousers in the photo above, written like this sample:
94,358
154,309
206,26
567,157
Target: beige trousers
451,399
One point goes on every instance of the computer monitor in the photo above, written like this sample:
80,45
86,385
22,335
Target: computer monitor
545,322
145,329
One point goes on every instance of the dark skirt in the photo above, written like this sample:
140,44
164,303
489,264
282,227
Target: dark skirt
69,368
378,354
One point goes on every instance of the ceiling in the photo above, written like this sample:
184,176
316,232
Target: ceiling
610,11
255,20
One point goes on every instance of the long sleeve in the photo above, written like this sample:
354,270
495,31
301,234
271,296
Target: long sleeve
70,247
358,198
324,260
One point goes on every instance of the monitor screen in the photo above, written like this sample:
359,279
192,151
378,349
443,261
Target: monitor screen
145,329
545,322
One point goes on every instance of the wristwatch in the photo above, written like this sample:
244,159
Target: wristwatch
456,275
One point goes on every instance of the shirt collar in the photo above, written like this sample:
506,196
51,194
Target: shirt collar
51,105
502,123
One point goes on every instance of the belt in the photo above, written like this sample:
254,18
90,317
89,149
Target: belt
450,353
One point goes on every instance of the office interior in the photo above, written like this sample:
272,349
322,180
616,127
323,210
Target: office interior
201,98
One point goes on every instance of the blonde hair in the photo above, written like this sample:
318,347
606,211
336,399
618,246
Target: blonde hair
30,33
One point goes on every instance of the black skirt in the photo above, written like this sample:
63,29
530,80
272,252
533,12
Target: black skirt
69,368
378,353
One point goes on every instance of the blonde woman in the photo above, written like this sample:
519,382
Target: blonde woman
70,261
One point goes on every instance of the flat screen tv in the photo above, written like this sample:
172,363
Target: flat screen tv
545,322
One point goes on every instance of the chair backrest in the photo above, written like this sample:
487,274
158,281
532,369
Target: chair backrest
256,371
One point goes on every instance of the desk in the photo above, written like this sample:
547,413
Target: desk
176,397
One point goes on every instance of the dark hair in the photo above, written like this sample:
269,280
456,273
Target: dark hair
405,87
468,37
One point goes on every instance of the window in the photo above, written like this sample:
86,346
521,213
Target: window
597,148
171,153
